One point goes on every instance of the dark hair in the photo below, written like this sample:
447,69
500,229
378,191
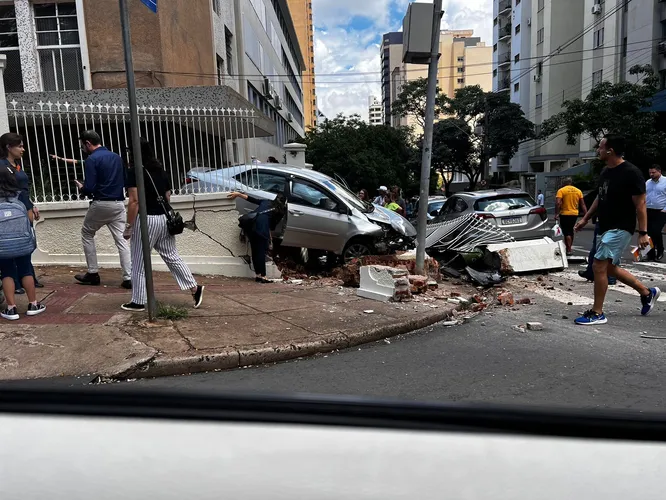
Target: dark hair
9,140
92,137
8,184
617,143
148,156
655,167
272,159
279,209
366,195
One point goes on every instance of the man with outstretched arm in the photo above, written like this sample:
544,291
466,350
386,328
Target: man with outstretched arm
620,201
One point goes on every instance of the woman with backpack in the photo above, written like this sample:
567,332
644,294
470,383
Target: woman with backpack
257,226
11,153
158,193
17,242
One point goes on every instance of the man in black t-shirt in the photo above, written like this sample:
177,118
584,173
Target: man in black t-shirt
620,200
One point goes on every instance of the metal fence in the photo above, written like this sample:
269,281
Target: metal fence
184,139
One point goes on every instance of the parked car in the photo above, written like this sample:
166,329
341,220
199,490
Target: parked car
322,213
435,204
512,210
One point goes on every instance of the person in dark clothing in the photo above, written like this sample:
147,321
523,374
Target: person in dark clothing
11,152
157,184
269,213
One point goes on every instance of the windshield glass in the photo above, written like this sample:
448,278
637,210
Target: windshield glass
348,196
503,203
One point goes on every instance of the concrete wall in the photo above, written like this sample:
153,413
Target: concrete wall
178,39
225,20
59,237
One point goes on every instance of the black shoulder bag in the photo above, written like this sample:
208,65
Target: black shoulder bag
175,224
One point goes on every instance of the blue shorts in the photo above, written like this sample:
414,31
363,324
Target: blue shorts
612,244
16,268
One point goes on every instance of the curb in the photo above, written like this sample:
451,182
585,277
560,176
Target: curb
228,358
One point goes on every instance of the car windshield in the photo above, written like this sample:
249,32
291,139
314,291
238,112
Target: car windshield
504,203
348,196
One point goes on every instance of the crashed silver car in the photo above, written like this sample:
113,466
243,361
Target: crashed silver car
322,213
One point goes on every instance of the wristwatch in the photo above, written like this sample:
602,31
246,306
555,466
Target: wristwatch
643,233
127,226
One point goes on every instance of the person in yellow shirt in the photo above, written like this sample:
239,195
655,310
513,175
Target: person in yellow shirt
569,205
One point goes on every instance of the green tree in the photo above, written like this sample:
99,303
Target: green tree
473,110
452,149
364,156
412,101
615,108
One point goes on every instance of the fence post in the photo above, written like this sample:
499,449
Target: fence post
4,118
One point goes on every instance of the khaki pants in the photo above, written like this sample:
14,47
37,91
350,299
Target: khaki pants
112,215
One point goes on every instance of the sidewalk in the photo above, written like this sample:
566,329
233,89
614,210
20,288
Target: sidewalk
85,333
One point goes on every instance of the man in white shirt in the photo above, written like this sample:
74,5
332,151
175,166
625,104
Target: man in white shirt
656,210
541,200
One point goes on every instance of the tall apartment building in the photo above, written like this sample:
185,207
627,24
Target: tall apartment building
538,60
464,60
374,111
245,53
625,34
270,71
301,13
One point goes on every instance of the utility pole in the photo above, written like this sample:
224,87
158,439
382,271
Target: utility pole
427,139
138,161
486,125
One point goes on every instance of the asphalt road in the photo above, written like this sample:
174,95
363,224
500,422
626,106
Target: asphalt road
488,359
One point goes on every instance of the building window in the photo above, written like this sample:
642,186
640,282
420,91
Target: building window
597,77
516,87
624,47
461,58
58,46
540,36
598,38
461,81
220,70
539,100
495,22
494,72
516,58
517,28
537,129
216,6
13,76
495,48
540,68
461,70
540,5
228,41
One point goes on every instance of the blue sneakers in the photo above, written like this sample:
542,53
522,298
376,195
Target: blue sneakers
591,318
649,301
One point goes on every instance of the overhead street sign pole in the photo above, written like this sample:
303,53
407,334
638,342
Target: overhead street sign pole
136,152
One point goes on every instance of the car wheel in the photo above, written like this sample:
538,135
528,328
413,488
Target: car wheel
355,250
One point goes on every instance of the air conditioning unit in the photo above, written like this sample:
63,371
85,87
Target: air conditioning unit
661,47
290,117
596,9
529,21
278,102
537,78
268,89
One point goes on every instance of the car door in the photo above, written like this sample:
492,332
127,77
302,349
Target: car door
316,219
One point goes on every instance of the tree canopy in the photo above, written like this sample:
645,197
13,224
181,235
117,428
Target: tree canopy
617,108
412,101
365,156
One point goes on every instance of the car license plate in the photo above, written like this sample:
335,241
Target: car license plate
507,221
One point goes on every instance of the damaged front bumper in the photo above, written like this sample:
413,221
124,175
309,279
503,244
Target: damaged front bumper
391,241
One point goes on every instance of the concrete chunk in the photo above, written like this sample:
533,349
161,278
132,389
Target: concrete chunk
534,326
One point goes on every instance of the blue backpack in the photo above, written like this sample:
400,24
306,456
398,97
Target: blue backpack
17,237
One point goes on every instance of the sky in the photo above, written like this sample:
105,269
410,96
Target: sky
347,40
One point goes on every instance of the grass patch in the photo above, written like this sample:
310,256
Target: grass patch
173,313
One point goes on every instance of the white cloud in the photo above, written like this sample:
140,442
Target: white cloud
348,60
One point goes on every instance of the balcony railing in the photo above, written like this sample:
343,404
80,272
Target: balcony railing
504,6
504,83
505,31
504,58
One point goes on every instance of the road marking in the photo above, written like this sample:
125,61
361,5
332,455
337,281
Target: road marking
569,276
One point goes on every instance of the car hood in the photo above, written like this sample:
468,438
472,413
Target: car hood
397,221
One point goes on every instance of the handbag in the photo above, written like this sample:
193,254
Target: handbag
175,224
247,221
